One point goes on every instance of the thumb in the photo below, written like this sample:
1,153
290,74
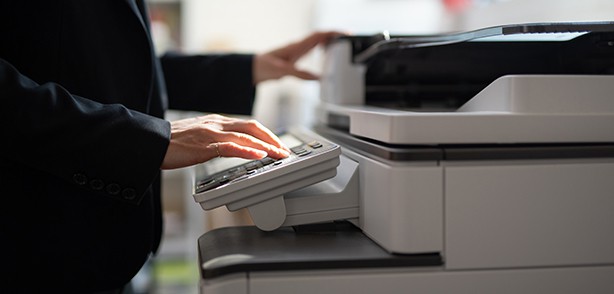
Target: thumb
303,74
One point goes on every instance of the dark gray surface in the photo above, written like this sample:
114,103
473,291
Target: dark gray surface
337,245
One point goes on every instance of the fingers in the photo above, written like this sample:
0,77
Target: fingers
250,135
294,51
281,62
231,149
305,75
257,130
249,141
323,37
317,38
200,139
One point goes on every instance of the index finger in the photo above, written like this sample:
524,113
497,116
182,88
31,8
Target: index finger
321,38
257,130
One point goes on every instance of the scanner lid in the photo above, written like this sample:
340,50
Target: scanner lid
551,31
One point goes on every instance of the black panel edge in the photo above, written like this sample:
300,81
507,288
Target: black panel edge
385,151
458,152
529,151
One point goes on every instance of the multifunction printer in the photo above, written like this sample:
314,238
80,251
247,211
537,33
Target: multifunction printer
470,162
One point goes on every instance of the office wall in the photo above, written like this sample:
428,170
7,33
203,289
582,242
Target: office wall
376,16
240,25
255,26
489,13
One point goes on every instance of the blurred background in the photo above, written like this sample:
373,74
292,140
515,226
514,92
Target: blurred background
207,26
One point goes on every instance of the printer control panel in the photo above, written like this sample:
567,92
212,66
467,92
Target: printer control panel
252,168
260,185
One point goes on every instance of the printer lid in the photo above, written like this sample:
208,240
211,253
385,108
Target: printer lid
560,31
444,71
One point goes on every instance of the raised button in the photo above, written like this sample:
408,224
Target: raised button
96,184
253,165
129,194
298,150
304,153
79,179
315,144
214,183
113,189
267,160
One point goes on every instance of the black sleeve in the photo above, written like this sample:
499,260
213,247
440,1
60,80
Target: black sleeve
49,129
210,83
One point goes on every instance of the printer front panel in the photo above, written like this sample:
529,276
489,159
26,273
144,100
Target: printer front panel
401,205
539,213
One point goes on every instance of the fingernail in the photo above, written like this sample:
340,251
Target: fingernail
284,152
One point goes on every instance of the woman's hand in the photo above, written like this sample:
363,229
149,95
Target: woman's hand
281,62
198,139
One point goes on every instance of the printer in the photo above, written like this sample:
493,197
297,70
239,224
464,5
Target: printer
471,162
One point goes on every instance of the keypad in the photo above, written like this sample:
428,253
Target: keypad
254,167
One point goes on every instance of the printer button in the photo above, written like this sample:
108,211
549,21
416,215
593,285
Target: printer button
253,165
315,144
298,150
304,153
267,161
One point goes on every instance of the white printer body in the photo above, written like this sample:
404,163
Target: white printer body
491,149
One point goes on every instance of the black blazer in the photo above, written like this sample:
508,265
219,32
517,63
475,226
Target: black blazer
83,95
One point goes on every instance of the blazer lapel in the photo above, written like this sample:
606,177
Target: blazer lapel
135,9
